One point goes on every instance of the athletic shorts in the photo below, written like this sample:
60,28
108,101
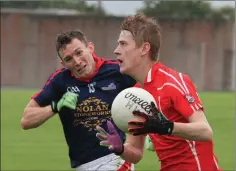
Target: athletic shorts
109,162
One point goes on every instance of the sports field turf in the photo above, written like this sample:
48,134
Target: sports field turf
44,148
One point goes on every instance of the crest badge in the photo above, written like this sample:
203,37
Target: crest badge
189,98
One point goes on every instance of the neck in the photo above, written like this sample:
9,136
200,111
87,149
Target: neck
94,63
142,71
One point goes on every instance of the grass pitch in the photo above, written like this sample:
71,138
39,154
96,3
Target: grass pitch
45,148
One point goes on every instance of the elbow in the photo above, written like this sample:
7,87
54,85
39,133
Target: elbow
208,134
138,157
134,157
137,160
24,124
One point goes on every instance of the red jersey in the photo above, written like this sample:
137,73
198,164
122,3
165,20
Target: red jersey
177,99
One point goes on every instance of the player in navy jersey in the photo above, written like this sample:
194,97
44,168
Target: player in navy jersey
81,93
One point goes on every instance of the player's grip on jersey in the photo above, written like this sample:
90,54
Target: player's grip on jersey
68,100
155,123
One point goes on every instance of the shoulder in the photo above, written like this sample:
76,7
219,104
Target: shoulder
60,73
170,75
173,80
111,62
111,65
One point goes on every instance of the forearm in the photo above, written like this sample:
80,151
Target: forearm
197,131
35,116
131,153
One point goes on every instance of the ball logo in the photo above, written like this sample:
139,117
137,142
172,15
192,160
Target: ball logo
135,99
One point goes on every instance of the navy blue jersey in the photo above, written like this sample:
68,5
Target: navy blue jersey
96,95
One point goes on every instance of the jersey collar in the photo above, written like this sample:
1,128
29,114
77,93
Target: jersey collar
99,62
151,73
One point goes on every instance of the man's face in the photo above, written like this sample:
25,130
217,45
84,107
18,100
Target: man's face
77,57
127,53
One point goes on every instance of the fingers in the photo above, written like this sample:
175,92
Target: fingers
134,127
105,144
70,100
157,113
71,105
140,114
111,128
136,131
153,104
101,136
101,130
136,124
111,148
154,109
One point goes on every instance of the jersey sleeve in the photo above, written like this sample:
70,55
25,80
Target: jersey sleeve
184,96
50,91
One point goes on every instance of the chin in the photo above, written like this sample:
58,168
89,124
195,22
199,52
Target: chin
126,72
122,71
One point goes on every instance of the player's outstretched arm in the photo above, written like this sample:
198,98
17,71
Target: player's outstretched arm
131,151
34,115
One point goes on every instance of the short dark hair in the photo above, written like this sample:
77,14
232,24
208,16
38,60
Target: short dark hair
144,29
66,37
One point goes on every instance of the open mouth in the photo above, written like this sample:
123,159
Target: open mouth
79,70
120,61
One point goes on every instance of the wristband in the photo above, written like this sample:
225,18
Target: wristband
122,150
54,107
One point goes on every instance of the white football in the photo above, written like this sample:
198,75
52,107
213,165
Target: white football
126,102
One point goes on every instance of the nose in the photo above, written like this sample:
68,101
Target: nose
77,61
116,51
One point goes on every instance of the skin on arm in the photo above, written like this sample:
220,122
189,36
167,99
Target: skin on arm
133,148
34,115
198,128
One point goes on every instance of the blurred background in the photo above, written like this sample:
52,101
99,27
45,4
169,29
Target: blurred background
198,39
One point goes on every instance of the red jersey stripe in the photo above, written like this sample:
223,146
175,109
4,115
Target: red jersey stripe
111,62
48,82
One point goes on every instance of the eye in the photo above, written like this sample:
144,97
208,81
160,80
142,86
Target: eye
122,43
67,59
78,53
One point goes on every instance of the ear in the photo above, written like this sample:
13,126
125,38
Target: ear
146,47
91,47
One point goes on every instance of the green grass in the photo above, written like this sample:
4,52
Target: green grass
45,148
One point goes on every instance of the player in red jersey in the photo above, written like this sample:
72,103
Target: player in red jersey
179,130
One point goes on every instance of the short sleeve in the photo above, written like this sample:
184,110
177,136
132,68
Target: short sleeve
184,97
50,91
